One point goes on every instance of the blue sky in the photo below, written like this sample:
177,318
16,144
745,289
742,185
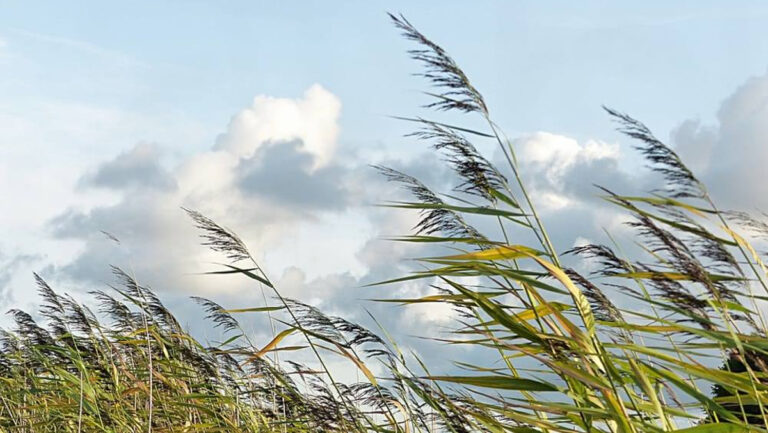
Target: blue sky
543,65
114,115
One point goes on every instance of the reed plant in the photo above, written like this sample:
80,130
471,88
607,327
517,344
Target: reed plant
671,337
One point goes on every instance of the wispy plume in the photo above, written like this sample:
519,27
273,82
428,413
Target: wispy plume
457,92
436,219
218,238
680,180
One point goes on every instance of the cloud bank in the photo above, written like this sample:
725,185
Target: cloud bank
272,169
278,177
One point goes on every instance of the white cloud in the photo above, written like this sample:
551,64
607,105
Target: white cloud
559,170
418,316
695,143
731,156
553,154
311,119
158,239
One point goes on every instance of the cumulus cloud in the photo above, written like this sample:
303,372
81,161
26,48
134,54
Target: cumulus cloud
561,174
421,315
293,283
695,142
554,153
311,120
282,173
737,143
551,160
273,159
139,167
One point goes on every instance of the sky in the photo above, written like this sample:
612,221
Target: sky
266,117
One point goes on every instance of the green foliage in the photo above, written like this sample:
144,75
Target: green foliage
634,347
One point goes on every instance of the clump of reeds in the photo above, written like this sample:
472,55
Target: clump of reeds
636,346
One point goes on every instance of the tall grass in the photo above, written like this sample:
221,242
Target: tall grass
685,349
